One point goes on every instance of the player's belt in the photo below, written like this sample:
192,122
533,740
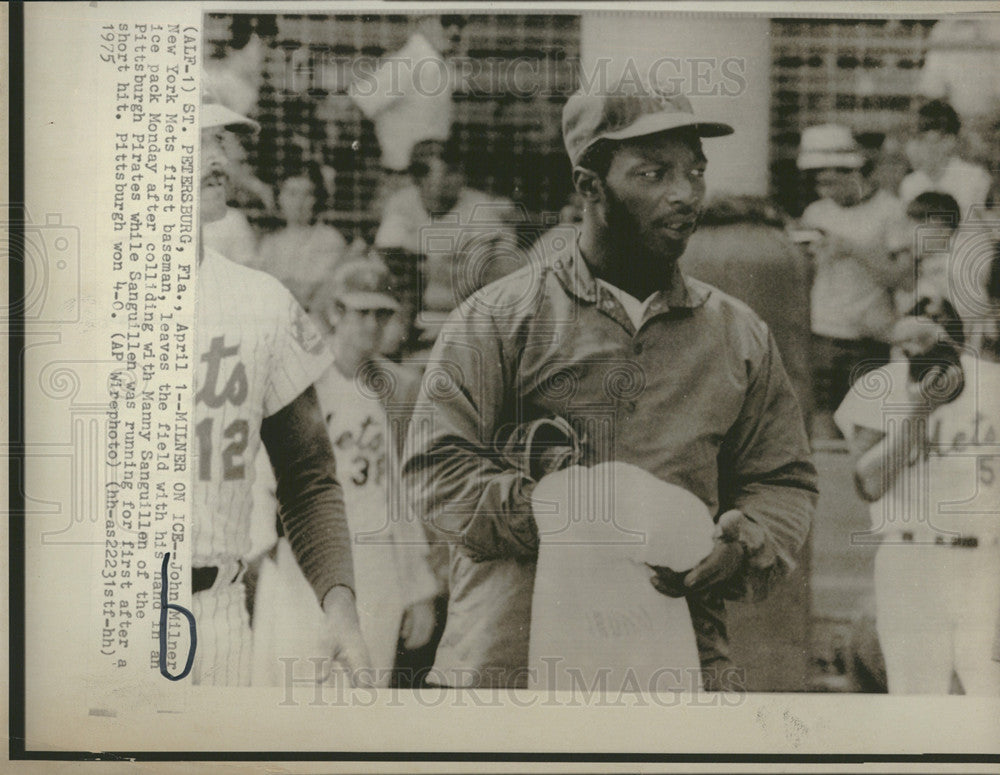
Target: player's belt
960,541
204,577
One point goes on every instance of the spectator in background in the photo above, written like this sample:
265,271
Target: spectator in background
983,143
246,191
232,236
305,252
741,248
234,75
852,308
888,155
529,162
925,239
962,61
473,236
408,97
936,165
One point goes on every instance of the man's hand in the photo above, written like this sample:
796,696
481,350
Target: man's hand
343,630
666,581
418,624
725,559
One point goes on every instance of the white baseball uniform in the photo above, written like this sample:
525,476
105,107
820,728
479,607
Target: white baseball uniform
257,351
391,571
937,571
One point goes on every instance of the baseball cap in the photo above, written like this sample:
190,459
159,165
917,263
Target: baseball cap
829,145
628,110
214,113
363,284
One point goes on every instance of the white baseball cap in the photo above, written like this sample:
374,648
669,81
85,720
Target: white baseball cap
214,113
363,283
827,146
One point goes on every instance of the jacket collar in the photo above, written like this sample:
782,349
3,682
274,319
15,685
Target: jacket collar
575,276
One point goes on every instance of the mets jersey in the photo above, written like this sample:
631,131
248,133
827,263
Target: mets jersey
257,351
389,550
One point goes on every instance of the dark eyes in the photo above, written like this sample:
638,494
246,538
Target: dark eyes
697,173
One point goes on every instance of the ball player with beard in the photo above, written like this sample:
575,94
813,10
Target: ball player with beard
258,356
706,404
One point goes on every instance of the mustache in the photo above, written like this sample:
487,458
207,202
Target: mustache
215,175
680,217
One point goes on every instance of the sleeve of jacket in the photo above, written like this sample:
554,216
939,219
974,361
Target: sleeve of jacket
766,472
452,474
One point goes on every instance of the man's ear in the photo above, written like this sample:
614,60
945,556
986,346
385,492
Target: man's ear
588,185
332,314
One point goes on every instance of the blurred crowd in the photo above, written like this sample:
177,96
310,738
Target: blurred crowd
869,199
891,227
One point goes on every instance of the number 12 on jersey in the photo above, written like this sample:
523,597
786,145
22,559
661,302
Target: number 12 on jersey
233,443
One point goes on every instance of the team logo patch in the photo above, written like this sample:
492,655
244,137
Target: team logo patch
305,331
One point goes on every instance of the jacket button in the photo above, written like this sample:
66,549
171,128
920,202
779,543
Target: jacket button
637,348
630,407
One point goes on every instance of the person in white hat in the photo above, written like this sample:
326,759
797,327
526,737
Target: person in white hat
257,356
649,367
856,273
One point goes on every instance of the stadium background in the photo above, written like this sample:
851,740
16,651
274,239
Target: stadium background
801,72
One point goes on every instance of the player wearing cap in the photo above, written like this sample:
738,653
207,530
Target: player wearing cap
258,356
703,402
366,402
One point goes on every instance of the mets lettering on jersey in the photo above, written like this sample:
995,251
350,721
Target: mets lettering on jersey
257,351
389,555
937,571
385,581
964,456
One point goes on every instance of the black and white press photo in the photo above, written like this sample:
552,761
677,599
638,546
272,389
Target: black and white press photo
460,379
